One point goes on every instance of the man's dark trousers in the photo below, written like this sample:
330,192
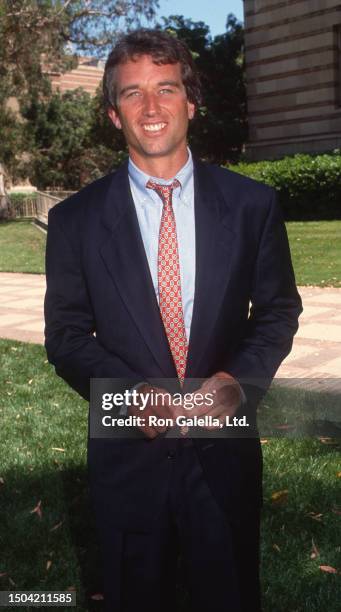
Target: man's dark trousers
192,548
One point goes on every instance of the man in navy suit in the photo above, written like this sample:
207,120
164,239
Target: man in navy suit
150,274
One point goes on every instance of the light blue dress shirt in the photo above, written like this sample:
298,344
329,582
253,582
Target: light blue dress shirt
148,205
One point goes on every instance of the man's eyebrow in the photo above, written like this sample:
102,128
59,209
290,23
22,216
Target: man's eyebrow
128,88
172,83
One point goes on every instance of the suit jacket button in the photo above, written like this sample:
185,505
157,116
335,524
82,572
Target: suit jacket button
170,455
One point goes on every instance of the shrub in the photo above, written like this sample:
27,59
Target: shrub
309,186
17,199
22,204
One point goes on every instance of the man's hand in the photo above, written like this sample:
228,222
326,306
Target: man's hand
227,397
162,408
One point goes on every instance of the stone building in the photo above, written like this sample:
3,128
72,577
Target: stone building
87,75
293,67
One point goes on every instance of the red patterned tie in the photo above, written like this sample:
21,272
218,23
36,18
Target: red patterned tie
169,281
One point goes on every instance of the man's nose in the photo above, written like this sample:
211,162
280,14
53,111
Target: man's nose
151,104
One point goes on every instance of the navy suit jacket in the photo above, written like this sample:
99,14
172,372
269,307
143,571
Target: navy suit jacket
103,320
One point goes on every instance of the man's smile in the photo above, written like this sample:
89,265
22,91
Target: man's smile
154,127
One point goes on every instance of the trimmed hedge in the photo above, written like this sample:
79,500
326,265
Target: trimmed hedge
309,186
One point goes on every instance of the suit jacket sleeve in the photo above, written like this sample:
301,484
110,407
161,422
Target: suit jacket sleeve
69,323
274,312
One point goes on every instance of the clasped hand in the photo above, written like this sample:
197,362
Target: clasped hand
223,389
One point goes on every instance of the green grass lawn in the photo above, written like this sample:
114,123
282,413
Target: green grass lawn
316,252
315,248
22,247
47,537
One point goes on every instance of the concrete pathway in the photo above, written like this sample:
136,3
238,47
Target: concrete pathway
315,360
316,354
21,307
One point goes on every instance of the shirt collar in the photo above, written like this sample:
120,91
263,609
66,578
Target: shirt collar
140,178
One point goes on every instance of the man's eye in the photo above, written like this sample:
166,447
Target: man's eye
166,90
133,94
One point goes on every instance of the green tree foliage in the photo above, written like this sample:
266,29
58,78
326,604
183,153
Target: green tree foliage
59,131
72,141
39,35
220,128
12,143
34,29
102,130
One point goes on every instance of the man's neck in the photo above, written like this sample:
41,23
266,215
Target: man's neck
165,167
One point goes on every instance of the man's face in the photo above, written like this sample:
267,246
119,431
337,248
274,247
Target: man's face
153,110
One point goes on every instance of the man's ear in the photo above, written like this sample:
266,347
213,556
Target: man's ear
190,110
113,116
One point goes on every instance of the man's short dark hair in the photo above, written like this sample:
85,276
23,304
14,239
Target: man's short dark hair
163,49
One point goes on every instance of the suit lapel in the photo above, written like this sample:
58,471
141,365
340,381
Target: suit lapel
214,247
124,256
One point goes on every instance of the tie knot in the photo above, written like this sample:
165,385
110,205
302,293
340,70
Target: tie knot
164,191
